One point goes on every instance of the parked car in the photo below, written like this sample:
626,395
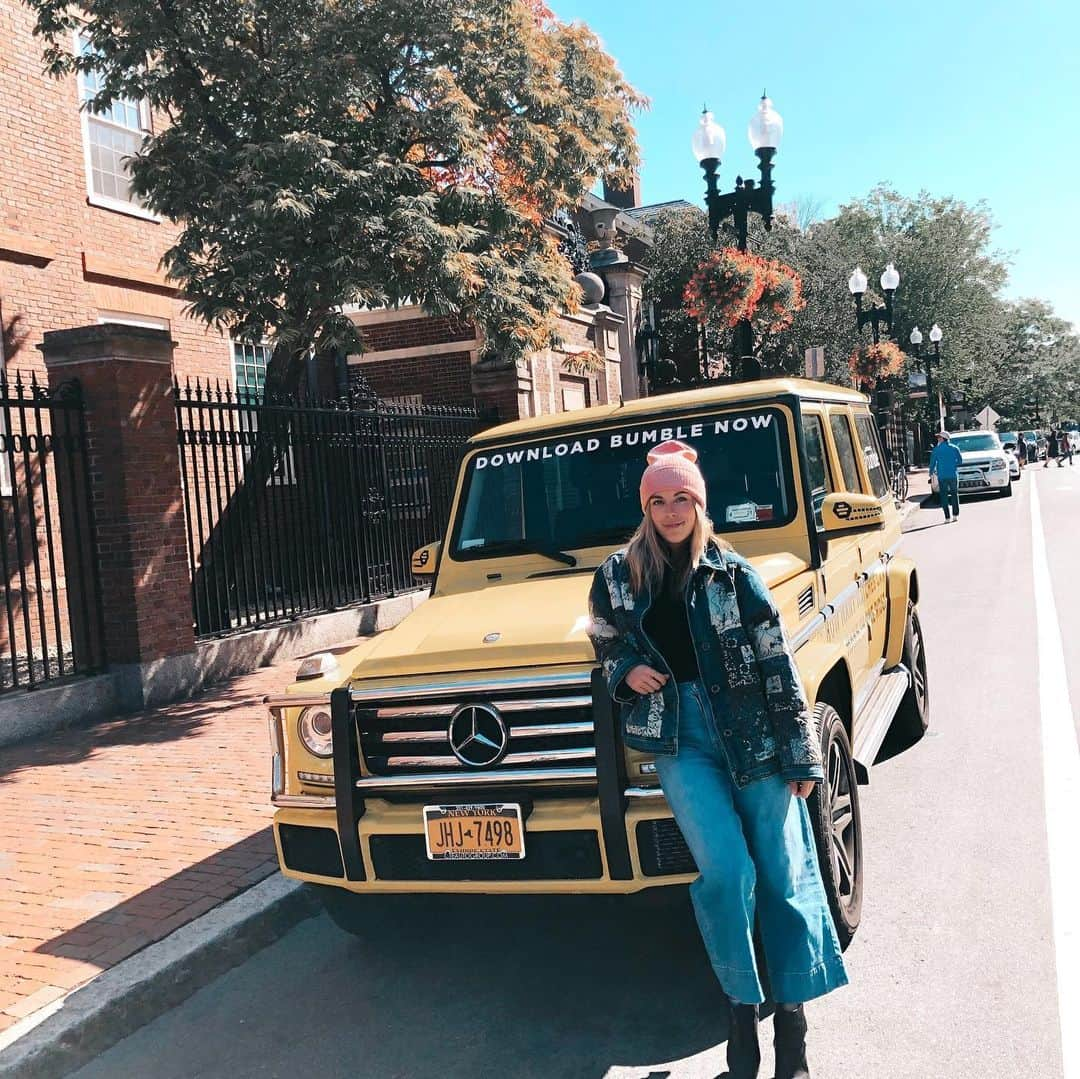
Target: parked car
1014,460
1040,442
985,467
380,783
1074,441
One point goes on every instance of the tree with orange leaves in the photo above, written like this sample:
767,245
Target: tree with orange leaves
326,153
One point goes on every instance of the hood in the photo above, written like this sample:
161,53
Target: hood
539,622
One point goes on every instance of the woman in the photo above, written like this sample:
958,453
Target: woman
691,646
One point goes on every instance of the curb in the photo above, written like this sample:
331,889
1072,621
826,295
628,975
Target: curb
69,1033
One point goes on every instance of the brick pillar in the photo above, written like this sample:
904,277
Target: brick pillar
126,377
624,281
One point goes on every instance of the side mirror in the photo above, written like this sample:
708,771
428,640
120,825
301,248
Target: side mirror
844,512
425,559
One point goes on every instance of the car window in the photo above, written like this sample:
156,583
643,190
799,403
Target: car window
581,489
845,450
871,445
817,466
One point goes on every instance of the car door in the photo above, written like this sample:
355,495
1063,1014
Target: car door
843,554
874,544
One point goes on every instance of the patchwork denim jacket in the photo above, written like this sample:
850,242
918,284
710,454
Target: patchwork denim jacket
747,667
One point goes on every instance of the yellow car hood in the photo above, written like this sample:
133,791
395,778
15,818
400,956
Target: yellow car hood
531,623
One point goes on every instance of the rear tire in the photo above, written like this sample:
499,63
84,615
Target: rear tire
837,825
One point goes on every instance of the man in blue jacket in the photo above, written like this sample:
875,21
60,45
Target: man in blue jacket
944,462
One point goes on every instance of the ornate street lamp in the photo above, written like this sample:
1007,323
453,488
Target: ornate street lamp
890,281
765,130
931,360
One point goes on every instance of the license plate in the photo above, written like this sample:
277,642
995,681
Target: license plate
474,833
971,483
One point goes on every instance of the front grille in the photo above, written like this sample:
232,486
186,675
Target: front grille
662,850
311,850
549,729
548,856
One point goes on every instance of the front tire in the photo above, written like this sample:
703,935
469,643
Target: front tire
1007,493
837,825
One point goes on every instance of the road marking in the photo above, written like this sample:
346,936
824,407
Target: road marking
1061,785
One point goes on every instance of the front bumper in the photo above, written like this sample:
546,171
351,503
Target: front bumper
586,829
977,482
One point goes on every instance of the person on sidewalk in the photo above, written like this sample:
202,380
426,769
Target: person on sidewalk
944,463
690,643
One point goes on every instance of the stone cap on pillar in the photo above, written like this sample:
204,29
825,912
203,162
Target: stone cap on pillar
107,341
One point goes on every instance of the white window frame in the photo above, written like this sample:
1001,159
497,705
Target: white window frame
95,198
281,476
129,318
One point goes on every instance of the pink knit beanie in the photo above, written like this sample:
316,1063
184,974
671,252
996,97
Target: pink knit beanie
672,467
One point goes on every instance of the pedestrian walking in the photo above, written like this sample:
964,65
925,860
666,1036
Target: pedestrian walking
1051,448
944,463
691,645
1064,448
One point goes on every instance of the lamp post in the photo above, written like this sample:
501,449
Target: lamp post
765,130
890,282
931,360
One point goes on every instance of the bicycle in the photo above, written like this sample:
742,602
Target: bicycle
900,479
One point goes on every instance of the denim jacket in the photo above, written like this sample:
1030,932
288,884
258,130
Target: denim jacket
747,667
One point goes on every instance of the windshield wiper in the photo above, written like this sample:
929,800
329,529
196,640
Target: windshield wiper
527,547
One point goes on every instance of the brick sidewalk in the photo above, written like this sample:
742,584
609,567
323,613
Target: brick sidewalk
113,836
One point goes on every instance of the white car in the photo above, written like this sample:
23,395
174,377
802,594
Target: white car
1014,462
985,465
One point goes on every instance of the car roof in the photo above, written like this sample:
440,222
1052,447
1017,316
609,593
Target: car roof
758,391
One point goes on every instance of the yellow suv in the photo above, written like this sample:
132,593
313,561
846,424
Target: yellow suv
474,748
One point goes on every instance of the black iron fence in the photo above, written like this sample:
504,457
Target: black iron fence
51,620
299,507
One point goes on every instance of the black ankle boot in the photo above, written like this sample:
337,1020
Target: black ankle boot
789,1040
743,1051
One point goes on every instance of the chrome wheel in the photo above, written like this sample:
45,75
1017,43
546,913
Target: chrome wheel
844,848
834,816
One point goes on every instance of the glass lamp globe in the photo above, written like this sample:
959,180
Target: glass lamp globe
766,127
890,279
857,282
916,336
709,139
935,333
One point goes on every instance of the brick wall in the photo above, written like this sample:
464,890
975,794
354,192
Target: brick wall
415,333
55,245
440,380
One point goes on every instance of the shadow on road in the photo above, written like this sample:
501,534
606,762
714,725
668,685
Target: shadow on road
520,986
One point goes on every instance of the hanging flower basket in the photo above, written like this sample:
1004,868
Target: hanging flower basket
731,285
781,296
726,286
868,363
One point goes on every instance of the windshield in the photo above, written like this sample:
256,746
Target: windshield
1007,437
581,489
976,443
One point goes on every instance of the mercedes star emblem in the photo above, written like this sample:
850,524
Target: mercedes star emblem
478,735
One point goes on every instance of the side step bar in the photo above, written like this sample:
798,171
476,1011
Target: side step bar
876,716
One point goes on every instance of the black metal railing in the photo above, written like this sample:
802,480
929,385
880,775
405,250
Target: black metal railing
51,620
298,507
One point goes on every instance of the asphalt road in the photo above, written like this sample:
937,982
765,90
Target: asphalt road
952,971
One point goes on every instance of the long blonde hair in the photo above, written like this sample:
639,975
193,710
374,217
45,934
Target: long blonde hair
648,554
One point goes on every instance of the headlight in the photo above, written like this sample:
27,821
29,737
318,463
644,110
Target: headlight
315,729
998,465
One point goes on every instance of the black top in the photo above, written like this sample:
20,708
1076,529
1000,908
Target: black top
668,628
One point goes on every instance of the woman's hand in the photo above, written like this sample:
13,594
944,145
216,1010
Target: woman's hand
643,679
801,788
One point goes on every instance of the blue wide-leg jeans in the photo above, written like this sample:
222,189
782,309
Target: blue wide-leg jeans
755,852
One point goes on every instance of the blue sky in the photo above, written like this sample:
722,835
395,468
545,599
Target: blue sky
976,100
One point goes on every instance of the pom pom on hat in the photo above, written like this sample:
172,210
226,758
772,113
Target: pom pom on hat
672,467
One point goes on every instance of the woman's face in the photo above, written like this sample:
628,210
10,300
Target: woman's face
674,515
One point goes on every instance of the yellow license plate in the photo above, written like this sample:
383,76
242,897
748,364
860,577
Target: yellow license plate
474,832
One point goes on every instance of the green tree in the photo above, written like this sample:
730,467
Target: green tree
323,153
